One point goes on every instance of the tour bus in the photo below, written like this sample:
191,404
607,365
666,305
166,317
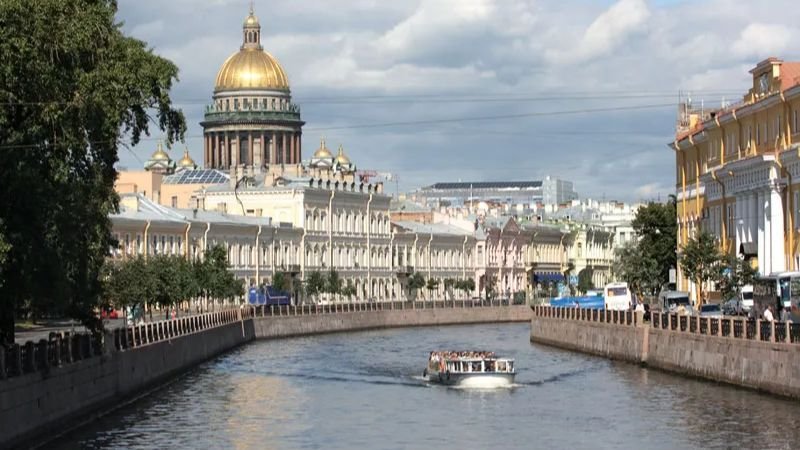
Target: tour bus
765,293
617,296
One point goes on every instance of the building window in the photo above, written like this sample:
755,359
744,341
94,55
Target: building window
236,104
174,201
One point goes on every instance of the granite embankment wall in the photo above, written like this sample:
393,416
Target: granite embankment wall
300,324
758,355
58,395
51,386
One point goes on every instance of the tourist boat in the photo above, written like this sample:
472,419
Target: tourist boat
470,369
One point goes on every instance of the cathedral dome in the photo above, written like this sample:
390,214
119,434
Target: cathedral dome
187,162
159,154
341,158
322,152
251,68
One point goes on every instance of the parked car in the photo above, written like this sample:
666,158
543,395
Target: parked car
711,310
109,313
733,307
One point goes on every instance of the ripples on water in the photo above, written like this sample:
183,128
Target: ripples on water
365,390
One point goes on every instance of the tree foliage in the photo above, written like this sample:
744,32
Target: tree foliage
638,269
168,280
432,285
656,230
333,283
349,290
415,282
315,284
280,282
585,282
732,274
700,261
73,85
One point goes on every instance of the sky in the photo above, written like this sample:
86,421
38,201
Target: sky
482,90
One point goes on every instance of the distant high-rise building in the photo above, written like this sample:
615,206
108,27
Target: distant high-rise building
548,191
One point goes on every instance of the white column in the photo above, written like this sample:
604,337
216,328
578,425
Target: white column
761,212
752,235
777,253
738,222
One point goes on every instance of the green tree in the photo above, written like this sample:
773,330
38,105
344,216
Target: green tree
490,286
129,284
639,270
467,286
333,283
732,274
449,284
218,282
432,285
315,284
280,281
349,290
567,273
700,260
656,230
415,282
74,87
585,282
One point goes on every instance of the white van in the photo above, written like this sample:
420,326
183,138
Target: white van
617,296
746,297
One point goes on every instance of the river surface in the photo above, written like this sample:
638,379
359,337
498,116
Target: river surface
364,390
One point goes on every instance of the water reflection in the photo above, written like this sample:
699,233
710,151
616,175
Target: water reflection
713,414
364,390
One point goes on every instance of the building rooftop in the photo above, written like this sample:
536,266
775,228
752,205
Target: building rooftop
435,228
485,185
197,176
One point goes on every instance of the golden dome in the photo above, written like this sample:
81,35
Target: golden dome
187,161
251,68
322,152
160,154
341,158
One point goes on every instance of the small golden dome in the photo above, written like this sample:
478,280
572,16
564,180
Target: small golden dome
160,154
251,20
322,152
341,158
187,162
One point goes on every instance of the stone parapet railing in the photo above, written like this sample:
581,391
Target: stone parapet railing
628,318
727,327
338,308
64,348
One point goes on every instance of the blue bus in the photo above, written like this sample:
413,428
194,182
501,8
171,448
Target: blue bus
268,296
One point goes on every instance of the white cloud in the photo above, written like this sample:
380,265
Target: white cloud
577,53
607,32
759,40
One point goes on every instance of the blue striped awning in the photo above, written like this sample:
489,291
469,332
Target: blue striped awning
548,277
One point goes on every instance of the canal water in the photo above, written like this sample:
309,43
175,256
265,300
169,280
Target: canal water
365,390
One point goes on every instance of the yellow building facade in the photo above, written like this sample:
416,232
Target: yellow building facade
738,171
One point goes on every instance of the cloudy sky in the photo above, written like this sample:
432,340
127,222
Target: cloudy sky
475,90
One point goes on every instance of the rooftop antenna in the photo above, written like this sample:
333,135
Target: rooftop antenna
251,7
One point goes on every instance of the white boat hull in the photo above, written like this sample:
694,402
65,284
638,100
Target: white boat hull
476,380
